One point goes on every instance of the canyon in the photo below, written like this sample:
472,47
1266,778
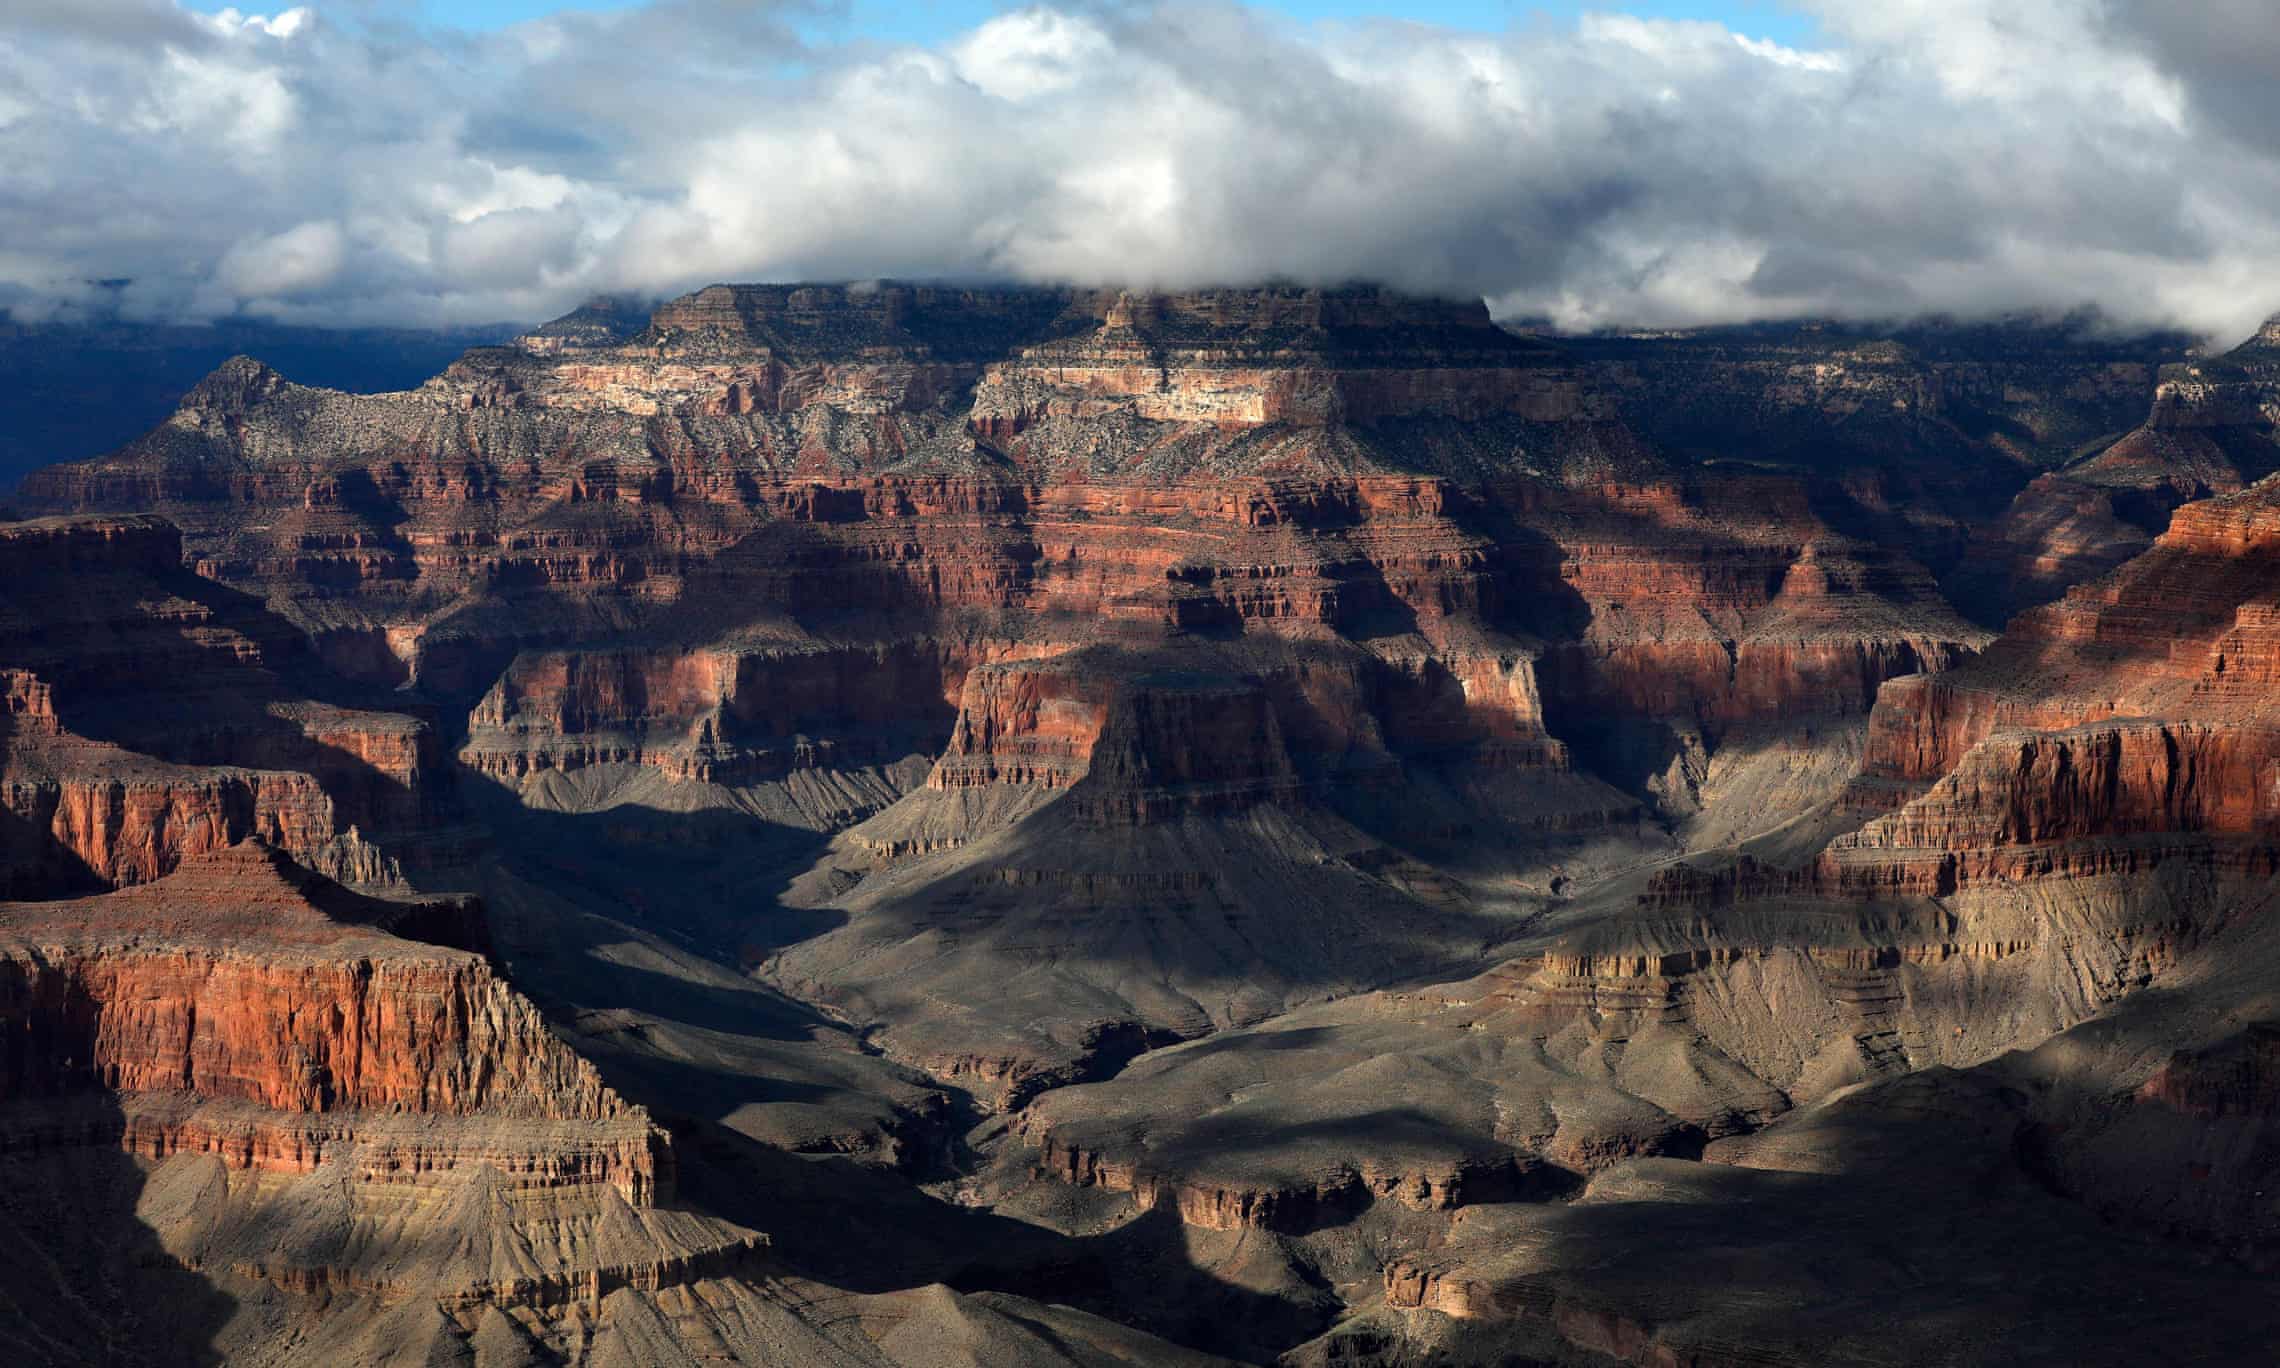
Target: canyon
931,825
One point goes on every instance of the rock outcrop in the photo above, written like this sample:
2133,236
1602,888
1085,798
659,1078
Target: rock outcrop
243,1009
148,718
2135,706
716,715
393,1104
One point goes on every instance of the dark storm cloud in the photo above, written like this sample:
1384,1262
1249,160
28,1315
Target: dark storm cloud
1966,156
2225,52
122,23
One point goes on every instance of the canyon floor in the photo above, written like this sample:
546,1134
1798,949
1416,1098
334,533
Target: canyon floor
927,826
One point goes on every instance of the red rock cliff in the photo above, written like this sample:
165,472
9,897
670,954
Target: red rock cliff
224,984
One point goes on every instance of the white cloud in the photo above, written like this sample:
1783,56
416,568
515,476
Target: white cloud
507,247
1029,53
1929,155
220,102
300,260
1800,58
282,25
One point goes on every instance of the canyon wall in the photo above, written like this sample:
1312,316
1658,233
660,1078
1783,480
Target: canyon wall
1310,761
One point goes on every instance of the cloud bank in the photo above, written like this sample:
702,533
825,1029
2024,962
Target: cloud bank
1961,156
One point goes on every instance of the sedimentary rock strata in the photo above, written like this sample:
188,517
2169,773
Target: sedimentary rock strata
1306,803
149,718
2133,706
268,1057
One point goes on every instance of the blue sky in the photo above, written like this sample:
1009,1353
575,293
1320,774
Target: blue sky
924,21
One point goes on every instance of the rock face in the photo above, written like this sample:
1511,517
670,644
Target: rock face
1002,474
384,1099
723,715
1153,744
225,983
149,719
2135,705
1729,604
1355,825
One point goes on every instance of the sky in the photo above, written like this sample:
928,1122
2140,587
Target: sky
932,21
1673,163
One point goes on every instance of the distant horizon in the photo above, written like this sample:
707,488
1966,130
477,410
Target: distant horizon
2086,318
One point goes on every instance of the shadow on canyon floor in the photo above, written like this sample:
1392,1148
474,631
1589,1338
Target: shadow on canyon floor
2006,1213
709,879
866,1230
1921,1240
725,1049
84,1282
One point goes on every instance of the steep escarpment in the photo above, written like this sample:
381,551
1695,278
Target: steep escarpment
1277,460
2140,697
432,1037
2113,783
227,983
2210,433
111,818
725,714
149,718
405,1124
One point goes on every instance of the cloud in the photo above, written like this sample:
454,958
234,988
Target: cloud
1031,52
2225,52
1961,156
301,260
1799,58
